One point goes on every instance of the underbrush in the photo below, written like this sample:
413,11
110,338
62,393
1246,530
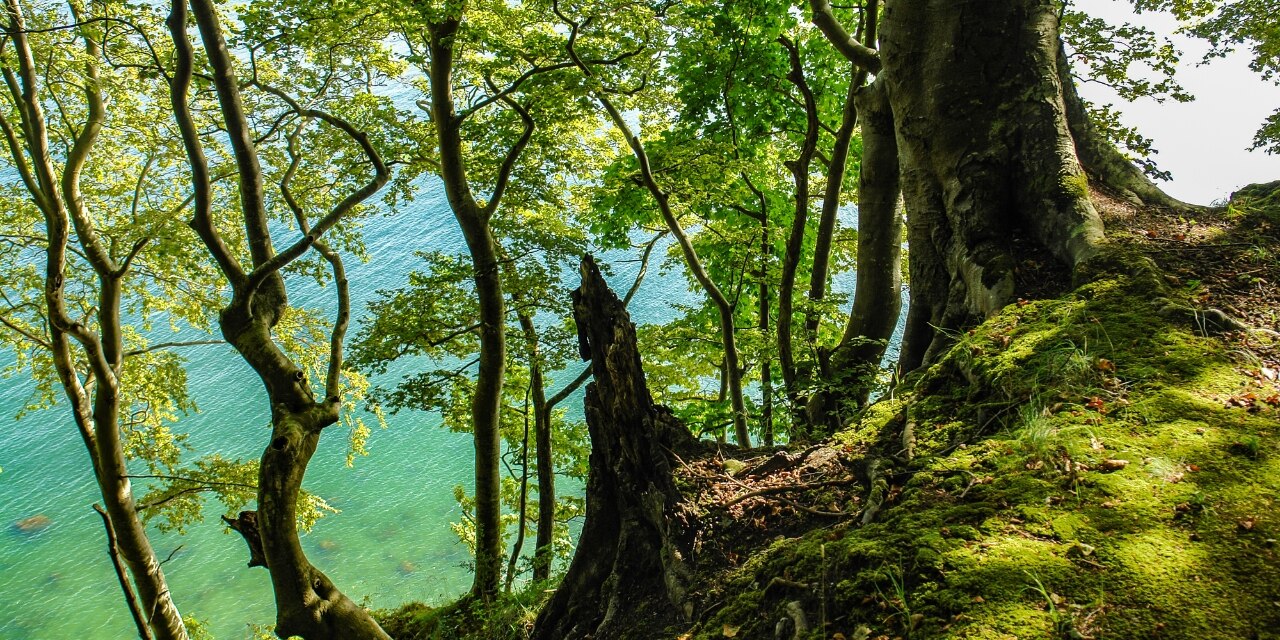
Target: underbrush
510,617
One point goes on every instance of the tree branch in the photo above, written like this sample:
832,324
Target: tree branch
825,19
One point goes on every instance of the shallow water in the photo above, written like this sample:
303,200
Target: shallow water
391,543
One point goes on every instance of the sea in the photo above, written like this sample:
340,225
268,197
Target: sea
391,542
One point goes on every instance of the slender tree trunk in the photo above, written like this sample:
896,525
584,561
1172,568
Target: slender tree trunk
631,560
985,153
522,509
486,404
877,300
766,360
799,223
113,479
831,206
59,198
542,436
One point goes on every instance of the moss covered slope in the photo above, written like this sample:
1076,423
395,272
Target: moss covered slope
1080,467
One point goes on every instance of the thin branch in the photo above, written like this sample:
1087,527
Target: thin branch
130,598
513,154
171,345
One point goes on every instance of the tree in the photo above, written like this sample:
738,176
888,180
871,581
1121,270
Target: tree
985,148
256,320
636,540
497,111
89,207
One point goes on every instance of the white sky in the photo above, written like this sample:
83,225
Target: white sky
1203,143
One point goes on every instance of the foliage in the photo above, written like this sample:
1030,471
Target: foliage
1252,24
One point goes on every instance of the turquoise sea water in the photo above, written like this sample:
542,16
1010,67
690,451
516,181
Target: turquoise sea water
391,542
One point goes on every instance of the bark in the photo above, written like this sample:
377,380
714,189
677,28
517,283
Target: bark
631,563
985,153
799,222
766,362
474,220
877,300
831,205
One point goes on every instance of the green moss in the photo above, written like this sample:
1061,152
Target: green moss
1076,472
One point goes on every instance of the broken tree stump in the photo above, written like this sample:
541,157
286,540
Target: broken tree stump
632,560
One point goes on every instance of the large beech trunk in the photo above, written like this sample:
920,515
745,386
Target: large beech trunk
1102,161
631,560
985,152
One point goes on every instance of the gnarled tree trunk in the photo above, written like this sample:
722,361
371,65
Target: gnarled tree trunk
632,558
986,153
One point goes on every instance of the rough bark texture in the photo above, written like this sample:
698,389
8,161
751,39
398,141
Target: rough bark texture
985,153
632,551
877,300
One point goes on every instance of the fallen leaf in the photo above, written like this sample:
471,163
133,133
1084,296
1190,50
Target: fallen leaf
1248,523
1113,465
1193,468
1096,404
730,632
1268,373
1106,365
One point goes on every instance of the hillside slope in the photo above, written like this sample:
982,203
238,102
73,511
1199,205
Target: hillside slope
1100,463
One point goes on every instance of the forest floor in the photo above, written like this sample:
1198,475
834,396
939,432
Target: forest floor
1096,462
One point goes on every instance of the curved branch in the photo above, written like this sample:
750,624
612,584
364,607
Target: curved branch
513,154
179,88
856,52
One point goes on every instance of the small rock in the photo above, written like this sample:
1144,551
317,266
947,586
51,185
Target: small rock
1113,465
407,567
1080,549
327,545
38,522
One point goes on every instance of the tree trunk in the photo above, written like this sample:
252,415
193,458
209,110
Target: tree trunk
985,154
877,300
486,407
799,223
631,561
308,604
766,358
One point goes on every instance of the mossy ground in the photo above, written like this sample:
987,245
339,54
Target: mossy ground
1078,472
509,618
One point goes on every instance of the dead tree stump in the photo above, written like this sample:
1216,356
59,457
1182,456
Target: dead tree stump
631,564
